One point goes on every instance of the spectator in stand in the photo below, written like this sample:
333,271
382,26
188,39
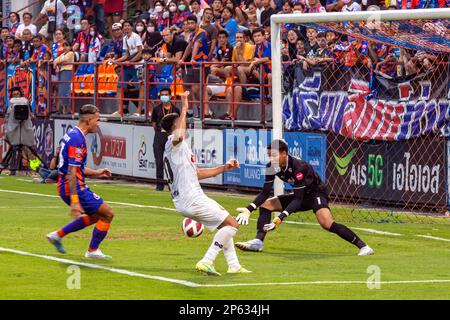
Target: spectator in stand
4,34
58,46
154,40
14,23
262,58
351,6
186,33
318,58
15,55
27,45
314,6
244,51
269,9
173,48
81,44
160,15
239,15
3,48
311,42
196,52
180,14
27,18
7,46
334,5
299,7
223,54
217,7
292,38
196,9
117,42
132,46
211,30
94,45
331,37
228,24
63,67
141,29
39,50
159,142
53,11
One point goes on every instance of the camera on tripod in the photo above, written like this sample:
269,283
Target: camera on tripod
19,133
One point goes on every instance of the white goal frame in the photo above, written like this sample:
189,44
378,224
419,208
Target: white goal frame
278,19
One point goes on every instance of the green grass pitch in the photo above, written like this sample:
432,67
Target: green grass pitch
299,261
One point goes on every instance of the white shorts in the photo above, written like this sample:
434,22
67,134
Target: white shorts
217,89
206,211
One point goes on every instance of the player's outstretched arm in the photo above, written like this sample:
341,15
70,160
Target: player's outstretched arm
99,173
180,130
206,173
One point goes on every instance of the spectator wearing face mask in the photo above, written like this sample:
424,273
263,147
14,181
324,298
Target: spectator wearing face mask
141,29
159,15
180,14
154,40
164,108
94,45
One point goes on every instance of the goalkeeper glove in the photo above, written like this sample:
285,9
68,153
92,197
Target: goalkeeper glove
243,216
276,221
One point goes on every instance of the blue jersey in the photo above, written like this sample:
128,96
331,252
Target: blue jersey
73,153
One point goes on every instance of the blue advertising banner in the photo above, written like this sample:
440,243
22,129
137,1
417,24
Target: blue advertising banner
250,148
311,147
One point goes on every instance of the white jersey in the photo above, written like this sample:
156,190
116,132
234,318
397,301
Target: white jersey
181,174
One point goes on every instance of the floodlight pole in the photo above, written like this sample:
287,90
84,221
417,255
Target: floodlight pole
275,25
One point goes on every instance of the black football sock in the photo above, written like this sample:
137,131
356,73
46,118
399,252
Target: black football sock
347,234
264,218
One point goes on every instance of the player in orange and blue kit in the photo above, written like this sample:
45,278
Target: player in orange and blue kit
85,206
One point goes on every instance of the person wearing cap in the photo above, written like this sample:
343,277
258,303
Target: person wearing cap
117,38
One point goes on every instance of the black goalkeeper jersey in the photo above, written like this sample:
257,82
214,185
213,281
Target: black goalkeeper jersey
299,174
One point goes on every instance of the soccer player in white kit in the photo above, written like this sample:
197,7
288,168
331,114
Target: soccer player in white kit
188,197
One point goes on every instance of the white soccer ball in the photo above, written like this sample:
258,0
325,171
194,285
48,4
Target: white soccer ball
191,228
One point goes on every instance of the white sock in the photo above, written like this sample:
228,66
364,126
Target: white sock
222,237
230,255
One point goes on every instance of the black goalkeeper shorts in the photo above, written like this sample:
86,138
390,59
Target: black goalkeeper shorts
314,201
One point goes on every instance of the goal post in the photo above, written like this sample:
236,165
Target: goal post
403,21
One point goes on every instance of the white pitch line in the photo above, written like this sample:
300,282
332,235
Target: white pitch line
112,202
431,237
198,285
324,282
172,209
95,266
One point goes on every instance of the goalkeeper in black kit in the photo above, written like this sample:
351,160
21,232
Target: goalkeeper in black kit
309,193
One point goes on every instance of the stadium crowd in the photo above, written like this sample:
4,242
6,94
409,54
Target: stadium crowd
179,35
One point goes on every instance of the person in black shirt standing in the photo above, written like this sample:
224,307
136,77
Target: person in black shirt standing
173,46
159,142
310,193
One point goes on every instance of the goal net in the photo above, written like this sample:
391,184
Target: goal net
376,84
